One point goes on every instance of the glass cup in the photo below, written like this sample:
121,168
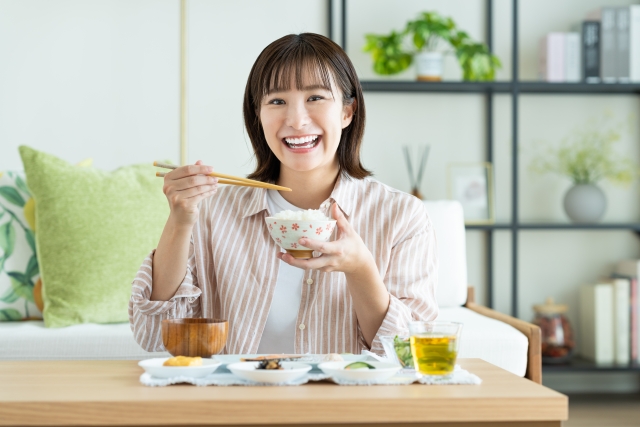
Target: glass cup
434,346
398,349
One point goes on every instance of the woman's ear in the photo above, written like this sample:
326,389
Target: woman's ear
347,113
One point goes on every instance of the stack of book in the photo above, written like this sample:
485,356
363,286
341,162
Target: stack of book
609,328
603,48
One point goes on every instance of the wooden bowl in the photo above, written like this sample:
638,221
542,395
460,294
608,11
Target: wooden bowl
194,337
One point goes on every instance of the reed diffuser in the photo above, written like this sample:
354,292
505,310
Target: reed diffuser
416,181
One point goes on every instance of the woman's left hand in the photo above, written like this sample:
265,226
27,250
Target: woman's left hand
347,253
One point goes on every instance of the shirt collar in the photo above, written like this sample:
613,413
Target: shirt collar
257,202
344,194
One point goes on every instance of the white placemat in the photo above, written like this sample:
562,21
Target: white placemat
409,376
222,380
404,377
459,376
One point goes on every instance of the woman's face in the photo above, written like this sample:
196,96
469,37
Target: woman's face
303,127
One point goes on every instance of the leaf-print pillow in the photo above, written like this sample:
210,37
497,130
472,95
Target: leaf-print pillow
19,274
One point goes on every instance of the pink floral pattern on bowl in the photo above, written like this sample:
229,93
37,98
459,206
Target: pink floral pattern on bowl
287,232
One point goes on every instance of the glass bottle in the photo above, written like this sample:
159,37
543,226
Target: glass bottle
557,335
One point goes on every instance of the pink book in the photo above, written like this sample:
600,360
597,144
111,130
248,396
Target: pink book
552,57
635,312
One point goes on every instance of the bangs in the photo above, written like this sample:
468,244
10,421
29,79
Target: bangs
299,64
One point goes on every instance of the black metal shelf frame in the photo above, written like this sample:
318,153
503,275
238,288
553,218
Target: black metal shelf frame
524,87
516,88
556,226
578,364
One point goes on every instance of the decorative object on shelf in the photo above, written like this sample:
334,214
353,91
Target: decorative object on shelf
427,32
586,157
585,203
557,335
423,155
472,185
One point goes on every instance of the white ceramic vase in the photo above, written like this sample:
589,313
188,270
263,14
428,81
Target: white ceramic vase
585,203
429,66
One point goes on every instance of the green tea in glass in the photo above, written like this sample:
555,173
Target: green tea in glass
434,346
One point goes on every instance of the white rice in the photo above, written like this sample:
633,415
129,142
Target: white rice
306,215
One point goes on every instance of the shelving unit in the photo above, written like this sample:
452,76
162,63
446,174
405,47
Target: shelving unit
515,88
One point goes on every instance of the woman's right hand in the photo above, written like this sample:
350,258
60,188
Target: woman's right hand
185,187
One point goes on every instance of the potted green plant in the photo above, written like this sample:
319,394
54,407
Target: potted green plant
587,157
393,53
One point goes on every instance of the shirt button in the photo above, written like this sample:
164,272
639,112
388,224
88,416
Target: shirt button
192,299
309,281
301,327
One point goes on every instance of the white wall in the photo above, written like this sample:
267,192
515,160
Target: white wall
89,79
100,79
226,38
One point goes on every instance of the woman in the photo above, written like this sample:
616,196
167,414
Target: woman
304,113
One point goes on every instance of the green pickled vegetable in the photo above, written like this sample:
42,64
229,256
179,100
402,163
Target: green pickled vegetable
359,365
403,351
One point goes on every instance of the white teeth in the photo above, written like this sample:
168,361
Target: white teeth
303,140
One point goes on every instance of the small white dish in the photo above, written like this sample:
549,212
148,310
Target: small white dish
309,359
383,371
247,370
155,368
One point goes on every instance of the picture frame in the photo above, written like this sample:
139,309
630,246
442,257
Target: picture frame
472,185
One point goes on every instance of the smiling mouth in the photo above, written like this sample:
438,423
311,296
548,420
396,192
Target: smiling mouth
302,143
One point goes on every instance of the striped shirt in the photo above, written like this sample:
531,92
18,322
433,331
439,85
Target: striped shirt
232,271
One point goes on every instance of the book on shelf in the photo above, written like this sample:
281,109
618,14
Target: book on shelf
572,69
634,43
552,58
619,38
596,323
623,58
630,270
590,57
608,44
621,320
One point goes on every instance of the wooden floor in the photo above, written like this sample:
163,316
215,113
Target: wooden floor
607,410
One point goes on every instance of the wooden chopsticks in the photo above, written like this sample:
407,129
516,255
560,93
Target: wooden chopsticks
227,179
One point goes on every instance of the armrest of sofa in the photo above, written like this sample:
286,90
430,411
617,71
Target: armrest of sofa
531,331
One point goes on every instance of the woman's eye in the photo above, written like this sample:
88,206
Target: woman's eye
276,102
315,98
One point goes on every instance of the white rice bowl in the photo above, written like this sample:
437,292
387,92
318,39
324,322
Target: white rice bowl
287,227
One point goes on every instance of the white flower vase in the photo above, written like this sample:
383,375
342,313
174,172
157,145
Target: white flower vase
429,66
585,203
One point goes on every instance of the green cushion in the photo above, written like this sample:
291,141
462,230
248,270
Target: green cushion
94,230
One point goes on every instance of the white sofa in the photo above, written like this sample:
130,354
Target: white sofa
30,340
503,342
497,338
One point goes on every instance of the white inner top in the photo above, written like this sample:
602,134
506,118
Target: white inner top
280,331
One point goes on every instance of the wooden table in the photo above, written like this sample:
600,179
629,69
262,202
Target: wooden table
108,393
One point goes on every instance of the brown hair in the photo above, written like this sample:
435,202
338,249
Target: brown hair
294,55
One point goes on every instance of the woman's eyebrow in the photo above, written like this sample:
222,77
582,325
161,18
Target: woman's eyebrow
305,88
316,86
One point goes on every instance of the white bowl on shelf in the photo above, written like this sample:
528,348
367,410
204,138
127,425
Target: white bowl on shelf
248,371
155,368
